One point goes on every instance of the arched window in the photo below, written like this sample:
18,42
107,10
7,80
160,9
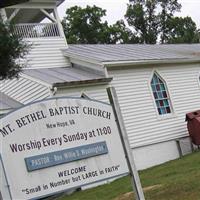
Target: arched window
161,95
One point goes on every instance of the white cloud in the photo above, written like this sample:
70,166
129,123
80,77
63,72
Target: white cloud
190,8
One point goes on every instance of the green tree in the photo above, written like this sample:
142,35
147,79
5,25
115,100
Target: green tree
153,19
182,30
149,21
141,16
84,25
119,33
12,48
168,8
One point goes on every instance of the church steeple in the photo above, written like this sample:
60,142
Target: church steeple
37,22
29,15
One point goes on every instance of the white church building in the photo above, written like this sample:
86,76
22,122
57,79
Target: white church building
156,84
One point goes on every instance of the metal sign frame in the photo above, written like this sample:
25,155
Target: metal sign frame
137,188
6,179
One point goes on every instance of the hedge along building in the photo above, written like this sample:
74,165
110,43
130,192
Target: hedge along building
156,84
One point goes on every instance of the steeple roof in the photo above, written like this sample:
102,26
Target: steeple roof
29,10
5,3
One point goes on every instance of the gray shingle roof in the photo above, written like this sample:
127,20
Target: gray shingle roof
133,52
8,103
64,76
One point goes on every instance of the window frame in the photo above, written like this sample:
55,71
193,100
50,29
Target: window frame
165,115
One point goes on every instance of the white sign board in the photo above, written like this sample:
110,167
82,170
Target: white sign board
59,144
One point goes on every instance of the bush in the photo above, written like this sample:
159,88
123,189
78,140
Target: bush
12,48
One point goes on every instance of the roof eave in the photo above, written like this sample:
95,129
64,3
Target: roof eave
81,83
42,82
147,62
130,62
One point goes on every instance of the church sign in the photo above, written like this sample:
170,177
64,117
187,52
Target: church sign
58,144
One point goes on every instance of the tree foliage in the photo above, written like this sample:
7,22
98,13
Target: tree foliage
84,25
182,30
149,21
141,16
11,48
168,8
154,19
119,33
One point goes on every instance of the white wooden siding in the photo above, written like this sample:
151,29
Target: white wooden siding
46,53
94,92
24,90
143,124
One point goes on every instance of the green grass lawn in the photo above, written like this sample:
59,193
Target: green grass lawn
175,180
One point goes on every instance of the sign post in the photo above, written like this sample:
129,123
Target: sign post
137,188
